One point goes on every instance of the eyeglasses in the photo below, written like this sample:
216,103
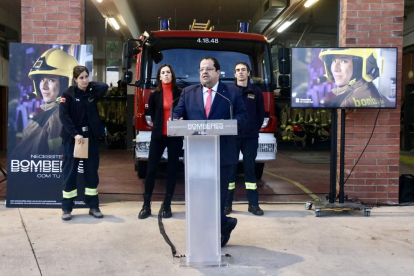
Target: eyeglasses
206,69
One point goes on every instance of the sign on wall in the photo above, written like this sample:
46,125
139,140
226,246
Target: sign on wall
38,75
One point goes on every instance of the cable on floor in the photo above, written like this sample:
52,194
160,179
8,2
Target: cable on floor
163,233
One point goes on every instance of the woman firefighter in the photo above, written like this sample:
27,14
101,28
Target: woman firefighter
353,70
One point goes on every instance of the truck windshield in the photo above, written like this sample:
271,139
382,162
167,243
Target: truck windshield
185,63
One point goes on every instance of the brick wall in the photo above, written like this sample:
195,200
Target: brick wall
53,21
373,23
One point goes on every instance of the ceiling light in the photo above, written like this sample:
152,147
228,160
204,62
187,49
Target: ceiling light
285,26
99,1
114,23
310,3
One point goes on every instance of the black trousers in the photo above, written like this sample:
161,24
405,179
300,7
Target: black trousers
174,147
248,147
225,172
70,170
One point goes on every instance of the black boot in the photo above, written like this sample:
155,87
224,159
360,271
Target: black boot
229,202
166,213
146,208
253,198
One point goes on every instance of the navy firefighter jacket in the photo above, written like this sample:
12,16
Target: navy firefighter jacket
79,109
254,105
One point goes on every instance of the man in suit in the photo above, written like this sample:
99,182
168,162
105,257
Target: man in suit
203,102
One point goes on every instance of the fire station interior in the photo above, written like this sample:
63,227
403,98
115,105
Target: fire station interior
301,170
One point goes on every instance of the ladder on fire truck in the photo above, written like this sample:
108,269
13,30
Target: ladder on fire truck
201,26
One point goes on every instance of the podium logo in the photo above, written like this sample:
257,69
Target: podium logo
205,126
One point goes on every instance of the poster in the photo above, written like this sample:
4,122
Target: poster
344,77
38,75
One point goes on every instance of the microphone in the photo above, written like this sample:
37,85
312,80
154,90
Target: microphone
231,105
182,94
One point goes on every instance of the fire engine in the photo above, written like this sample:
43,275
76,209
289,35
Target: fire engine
183,50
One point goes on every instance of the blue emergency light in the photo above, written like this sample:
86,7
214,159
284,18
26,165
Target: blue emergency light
164,24
244,27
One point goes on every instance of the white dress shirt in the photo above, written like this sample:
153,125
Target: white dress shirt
213,94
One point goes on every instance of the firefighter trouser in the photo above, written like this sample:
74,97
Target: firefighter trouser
174,147
248,147
70,170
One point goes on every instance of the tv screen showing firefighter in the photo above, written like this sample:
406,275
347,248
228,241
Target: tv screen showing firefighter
344,77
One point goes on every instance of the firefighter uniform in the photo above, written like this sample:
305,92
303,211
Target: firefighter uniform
247,143
42,134
79,115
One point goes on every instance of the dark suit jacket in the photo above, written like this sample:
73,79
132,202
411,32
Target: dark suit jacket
191,107
156,111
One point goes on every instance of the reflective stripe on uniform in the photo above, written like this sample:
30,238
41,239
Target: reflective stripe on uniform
251,186
91,192
70,194
232,185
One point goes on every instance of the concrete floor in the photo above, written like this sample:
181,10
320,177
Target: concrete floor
287,240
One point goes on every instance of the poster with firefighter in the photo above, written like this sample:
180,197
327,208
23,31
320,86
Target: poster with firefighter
38,75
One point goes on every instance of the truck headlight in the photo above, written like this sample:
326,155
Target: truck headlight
265,122
148,119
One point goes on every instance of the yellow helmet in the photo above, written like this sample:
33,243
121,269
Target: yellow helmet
289,127
364,60
53,62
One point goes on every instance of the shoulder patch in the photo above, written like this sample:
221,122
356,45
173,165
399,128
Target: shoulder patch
62,100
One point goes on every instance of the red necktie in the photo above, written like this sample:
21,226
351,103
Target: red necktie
208,102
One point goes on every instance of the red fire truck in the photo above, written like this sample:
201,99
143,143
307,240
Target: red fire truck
184,50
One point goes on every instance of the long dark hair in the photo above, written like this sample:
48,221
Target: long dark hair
159,82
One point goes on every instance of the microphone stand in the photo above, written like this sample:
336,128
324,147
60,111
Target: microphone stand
231,106
172,103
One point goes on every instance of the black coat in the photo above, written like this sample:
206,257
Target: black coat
156,110
67,111
254,104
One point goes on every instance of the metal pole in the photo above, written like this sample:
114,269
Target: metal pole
334,155
342,158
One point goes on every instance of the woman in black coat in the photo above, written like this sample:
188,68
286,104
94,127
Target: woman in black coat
159,105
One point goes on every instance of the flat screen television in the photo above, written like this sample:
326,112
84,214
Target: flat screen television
344,77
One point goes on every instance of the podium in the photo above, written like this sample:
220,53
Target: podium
202,187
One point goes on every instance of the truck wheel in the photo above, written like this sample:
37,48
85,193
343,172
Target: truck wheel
259,170
142,169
